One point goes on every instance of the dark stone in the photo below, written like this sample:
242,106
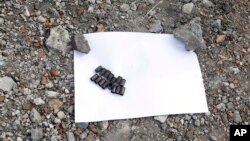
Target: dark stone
80,43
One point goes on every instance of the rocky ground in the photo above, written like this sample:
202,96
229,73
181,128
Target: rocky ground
36,78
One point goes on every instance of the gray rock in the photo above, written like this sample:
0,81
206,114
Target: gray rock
6,83
172,130
70,109
212,138
237,117
197,122
191,35
133,6
52,12
39,101
247,58
221,107
207,3
83,135
51,94
36,134
35,116
189,134
156,27
217,24
161,118
80,43
26,91
82,125
41,19
164,126
202,121
187,117
26,12
70,136
124,7
103,125
2,60
179,138
188,8
60,115
58,39
1,21
230,105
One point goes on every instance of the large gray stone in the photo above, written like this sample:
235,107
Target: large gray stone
191,35
59,39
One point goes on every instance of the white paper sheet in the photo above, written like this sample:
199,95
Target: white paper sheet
162,78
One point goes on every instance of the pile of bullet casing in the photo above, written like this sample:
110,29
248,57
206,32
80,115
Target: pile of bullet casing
106,79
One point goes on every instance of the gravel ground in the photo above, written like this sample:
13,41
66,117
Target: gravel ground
36,78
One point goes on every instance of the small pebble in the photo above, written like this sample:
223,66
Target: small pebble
60,115
161,118
212,138
124,7
187,8
237,117
221,107
1,21
207,3
156,27
35,116
216,24
70,136
39,101
197,123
